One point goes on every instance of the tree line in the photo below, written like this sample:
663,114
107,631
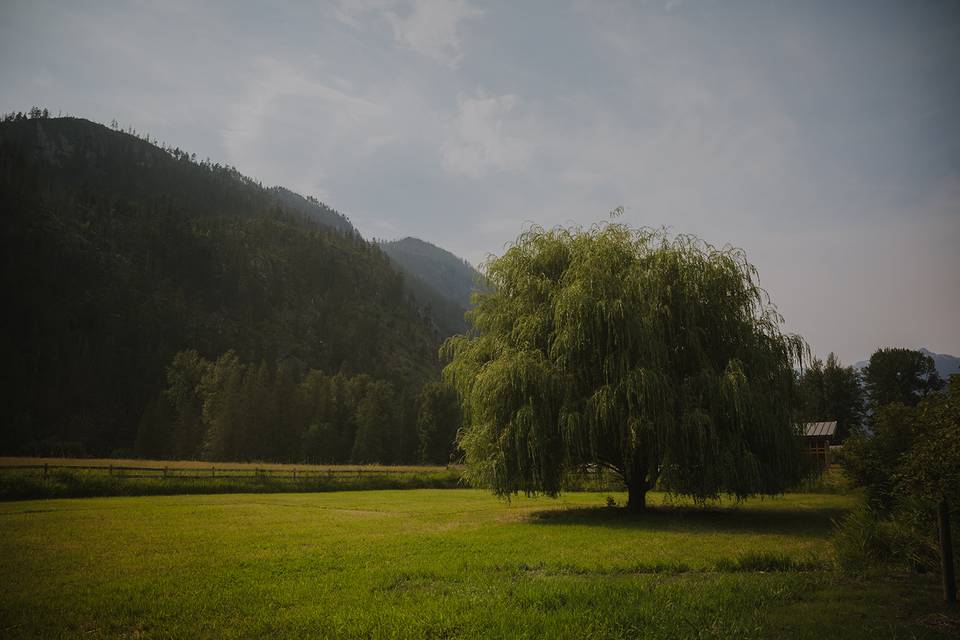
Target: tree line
900,426
830,391
226,409
907,459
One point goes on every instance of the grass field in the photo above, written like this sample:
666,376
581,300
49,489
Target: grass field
441,564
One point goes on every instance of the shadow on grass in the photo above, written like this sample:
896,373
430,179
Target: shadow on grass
771,520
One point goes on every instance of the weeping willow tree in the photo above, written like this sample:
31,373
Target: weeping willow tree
657,358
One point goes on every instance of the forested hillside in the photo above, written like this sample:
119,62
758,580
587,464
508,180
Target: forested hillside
452,277
438,278
119,255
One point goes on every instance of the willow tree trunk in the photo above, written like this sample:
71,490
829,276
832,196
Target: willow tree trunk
637,487
946,553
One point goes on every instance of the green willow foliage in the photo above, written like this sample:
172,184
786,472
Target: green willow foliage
657,358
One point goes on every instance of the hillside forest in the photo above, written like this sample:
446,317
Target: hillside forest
130,267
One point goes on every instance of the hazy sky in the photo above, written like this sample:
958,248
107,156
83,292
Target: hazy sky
823,138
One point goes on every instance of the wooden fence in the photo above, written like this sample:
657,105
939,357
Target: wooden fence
222,472
824,454
580,481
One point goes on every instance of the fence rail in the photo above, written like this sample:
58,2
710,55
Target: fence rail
50,479
176,477
213,471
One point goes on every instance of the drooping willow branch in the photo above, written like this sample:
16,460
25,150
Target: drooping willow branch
658,357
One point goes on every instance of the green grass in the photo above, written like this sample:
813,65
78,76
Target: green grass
439,564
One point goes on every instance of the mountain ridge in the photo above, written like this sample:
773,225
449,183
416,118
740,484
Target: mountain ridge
58,143
446,272
443,279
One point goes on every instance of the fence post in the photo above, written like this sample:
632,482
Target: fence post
213,472
946,552
111,470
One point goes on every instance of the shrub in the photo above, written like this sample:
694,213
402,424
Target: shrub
860,541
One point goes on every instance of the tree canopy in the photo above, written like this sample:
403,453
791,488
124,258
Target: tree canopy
900,375
931,467
831,391
658,358
909,465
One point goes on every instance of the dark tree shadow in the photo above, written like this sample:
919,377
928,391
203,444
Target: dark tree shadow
773,520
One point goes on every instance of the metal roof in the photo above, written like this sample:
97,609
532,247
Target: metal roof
819,429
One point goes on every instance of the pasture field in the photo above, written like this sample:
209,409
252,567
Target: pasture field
441,564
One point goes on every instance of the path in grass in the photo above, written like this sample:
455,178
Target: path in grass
451,563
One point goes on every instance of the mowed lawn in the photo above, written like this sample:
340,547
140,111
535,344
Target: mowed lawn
438,564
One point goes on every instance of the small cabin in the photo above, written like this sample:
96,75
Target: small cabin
818,436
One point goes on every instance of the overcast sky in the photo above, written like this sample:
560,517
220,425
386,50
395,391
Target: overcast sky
820,137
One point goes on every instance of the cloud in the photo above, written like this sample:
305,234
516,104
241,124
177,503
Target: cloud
355,12
476,142
432,28
429,27
299,121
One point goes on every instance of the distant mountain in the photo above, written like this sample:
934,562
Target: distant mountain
438,277
118,254
946,364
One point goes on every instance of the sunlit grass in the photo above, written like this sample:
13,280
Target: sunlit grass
450,563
